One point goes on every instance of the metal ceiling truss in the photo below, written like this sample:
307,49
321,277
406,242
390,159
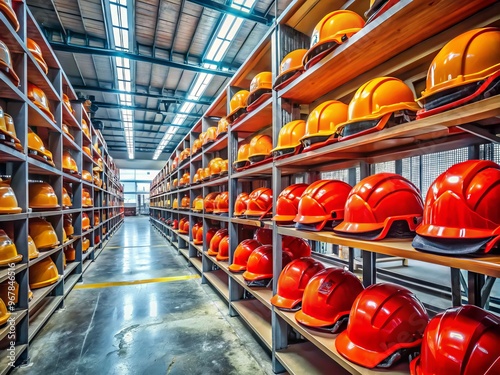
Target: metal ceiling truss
173,99
253,16
144,109
140,122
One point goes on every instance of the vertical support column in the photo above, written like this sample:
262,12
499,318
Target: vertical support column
456,290
475,287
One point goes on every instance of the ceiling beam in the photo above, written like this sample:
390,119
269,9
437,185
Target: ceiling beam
143,94
85,50
143,109
139,122
252,16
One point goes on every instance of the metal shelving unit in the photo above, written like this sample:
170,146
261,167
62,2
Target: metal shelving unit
368,54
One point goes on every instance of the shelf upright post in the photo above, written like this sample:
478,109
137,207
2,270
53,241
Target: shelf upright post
369,258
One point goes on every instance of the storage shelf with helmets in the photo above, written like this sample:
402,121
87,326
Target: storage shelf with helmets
376,50
40,162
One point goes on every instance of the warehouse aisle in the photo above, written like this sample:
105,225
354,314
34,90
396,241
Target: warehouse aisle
141,310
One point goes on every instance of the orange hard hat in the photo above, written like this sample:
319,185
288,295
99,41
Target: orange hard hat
241,255
461,214
175,182
8,250
222,127
86,130
38,97
223,253
36,51
185,202
68,225
86,176
215,166
69,164
70,253
43,273
182,222
87,198
96,218
175,204
8,11
43,233
333,30
240,205
42,195
260,202
261,84
195,228
289,138
206,173
287,204
32,250
461,340
175,163
264,236
202,137
198,204
6,63
382,205
260,265
466,69
237,105
215,241
85,244
290,68
328,299
211,135
210,234
85,221
197,144
224,167
37,149
260,148
323,123
298,247
209,202
8,133
322,203
198,237
373,105
4,313
8,200
242,158
67,103
221,203
66,199
66,131
292,283
384,319
97,179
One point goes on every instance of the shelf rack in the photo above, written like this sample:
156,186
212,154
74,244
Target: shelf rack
30,316
370,53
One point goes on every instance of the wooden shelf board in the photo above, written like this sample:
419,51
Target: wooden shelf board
41,213
10,37
5,360
44,254
253,222
258,318
389,140
70,282
38,118
488,265
222,265
306,358
86,265
263,170
38,167
38,78
69,119
255,120
219,280
69,143
264,295
9,154
217,145
224,219
196,262
185,237
70,267
40,317
184,252
407,17
17,315
326,343
199,248
215,182
4,272
40,294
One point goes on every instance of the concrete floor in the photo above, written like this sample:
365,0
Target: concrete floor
169,327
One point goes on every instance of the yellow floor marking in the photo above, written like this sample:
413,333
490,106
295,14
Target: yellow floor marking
136,282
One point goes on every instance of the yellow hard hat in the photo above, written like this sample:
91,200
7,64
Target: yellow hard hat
43,273
8,131
36,51
8,250
237,105
8,200
37,149
9,295
291,66
32,250
39,98
289,138
261,84
69,164
4,314
66,198
43,233
6,63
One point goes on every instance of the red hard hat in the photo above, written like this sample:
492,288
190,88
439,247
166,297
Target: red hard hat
240,205
241,255
175,224
292,282
264,236
221,203
260,202
322,202
215,241
384,319
260,265
298,247
223,253
195,228
461,214
462,340
328,299
210,234
198,237
379,202
287,204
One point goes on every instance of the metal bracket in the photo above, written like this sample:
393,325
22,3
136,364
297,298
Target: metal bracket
479,132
